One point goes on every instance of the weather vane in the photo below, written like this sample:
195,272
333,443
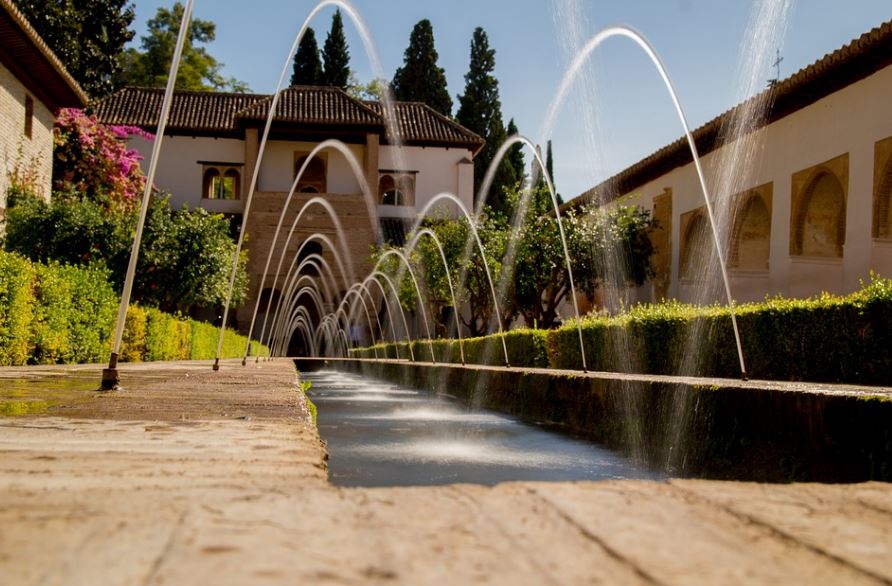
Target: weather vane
777,63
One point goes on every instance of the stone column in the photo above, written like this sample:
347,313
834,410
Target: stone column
372,147
252,150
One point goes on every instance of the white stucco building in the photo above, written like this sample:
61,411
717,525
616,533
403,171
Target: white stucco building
212,144
34,85
809,213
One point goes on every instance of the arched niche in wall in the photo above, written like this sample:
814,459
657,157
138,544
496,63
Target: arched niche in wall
751,233
314,179
818,219
694,231
882,189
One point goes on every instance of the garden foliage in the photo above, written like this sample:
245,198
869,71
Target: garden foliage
56,313
826,338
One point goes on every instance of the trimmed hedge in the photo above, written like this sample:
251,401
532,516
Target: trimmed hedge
57,313
826,338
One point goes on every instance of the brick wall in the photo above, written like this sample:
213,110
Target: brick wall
17,152
265,210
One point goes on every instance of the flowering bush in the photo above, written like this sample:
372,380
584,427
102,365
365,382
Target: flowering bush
92,160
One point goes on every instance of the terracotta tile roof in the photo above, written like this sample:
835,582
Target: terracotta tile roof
314,105
860,58
191,111
32,61
418,123
223,114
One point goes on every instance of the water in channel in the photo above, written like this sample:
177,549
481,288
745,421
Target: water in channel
380,434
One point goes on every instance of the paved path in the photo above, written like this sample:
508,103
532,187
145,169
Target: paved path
195,477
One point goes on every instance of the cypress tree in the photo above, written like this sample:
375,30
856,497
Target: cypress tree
307,66
420,79
336,55
515,155
549,167
480,111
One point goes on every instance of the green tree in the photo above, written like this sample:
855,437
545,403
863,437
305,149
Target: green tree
185,258
420,79
373,90
480,111
199,70
88,36
515,155
595,239
336,55
307,65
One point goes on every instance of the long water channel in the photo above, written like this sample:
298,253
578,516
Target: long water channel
381,434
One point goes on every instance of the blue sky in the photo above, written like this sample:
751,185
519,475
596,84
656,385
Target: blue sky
699,41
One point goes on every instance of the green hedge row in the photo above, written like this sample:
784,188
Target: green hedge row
57,313
826,338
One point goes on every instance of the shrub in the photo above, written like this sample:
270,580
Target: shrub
16,308
59,313
133,343
822,339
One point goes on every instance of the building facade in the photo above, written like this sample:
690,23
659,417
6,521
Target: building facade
212,148
34,85
810,212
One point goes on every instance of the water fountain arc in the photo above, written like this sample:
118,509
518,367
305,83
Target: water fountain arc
367,194
358,289
352,293
408,265
299,312
390,118
275,342
567,81
110,377
433,236
487,181
292,271
316,262
396,297
445,196
371,279
362,288
281,344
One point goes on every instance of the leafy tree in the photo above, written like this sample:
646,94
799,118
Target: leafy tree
199,70
480,111
307,65
336,55
88,36
420,79
541,282
536,281
373,90
515,155
185,258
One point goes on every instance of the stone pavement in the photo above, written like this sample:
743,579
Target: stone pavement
195,477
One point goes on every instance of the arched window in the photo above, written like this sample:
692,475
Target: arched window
821,219
693,244
389,193
882,207
751,242
396,189
313,179
221,182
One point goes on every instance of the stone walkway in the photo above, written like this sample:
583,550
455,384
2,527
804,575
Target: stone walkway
195,477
